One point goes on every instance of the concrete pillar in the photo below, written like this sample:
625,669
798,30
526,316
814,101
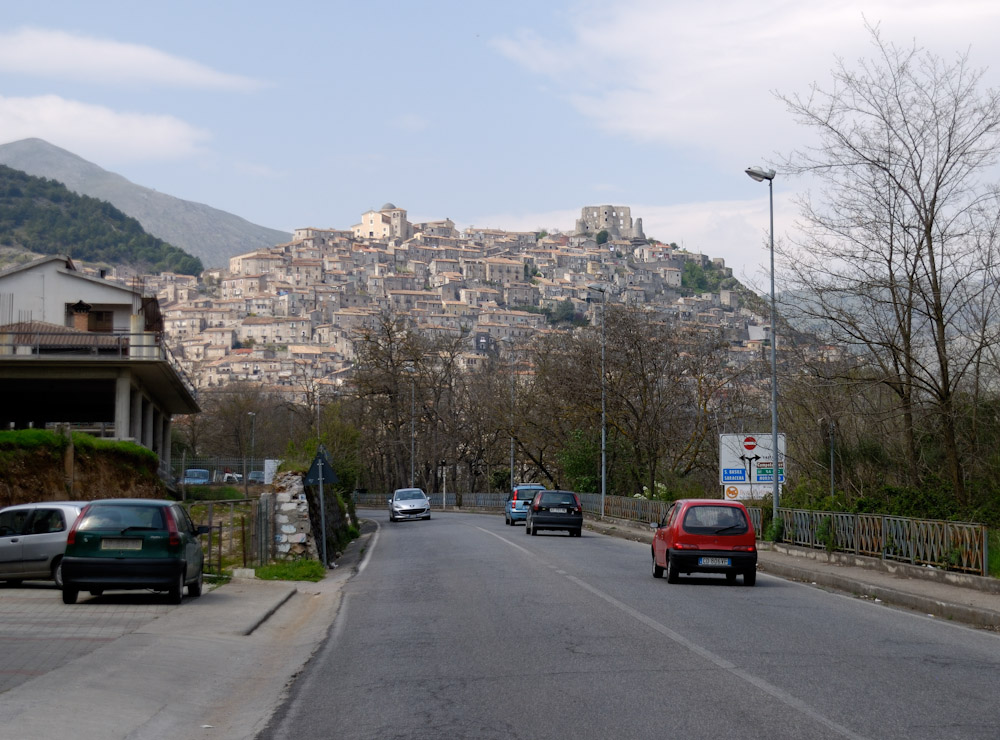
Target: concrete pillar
167,426
123,399
135,424
147,424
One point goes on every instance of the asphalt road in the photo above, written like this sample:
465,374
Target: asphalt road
464,627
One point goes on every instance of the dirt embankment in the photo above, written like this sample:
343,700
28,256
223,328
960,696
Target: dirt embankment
44,474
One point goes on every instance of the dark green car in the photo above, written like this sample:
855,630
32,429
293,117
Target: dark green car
133,544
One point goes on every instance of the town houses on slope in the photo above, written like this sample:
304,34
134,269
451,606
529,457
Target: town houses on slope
288,315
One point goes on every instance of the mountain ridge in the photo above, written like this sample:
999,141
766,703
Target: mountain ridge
208,233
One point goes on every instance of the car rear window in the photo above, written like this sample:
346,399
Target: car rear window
118,517
553,498
710,519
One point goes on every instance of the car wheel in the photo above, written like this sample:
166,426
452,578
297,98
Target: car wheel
730,578
750,578
578,532
657,570
527,527
671,570
69,595
534,530
392,518
97,592
176,593
427,517
13,582
194,589
57,572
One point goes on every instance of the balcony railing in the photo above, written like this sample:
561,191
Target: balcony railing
33,343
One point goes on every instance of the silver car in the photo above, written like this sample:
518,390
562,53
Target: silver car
409,503
33,540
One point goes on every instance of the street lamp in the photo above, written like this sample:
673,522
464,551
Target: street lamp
510,342
759,174
413,419
604,426
246,478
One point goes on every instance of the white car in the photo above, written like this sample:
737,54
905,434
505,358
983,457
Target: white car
33,540
409,503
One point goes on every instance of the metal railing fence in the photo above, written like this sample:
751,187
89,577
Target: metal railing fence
241,532
960,546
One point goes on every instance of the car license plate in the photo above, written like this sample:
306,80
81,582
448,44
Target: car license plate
558,511
121,543
713,561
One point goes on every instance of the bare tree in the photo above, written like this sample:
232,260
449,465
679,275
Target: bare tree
899,260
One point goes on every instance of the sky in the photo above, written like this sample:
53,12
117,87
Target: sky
511,115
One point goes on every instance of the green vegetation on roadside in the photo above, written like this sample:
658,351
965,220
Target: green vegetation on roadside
292,570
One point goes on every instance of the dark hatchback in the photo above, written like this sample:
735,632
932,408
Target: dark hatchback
555,510
133,544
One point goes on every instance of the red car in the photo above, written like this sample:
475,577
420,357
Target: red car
705,536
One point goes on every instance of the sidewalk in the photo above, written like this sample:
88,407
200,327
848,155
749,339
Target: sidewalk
974,600
215,667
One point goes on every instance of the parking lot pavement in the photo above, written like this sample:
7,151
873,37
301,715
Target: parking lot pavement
39,633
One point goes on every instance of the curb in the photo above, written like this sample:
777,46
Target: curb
932,607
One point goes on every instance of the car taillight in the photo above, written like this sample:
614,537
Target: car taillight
579,507
744,548
173,536
71,537
685,546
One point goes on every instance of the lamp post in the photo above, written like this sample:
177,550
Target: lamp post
510,342
413,420
759,174
246,478
604,426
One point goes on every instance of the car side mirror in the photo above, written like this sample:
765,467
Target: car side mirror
654,525
202,529
389,501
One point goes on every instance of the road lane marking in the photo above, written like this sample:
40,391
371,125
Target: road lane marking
766,686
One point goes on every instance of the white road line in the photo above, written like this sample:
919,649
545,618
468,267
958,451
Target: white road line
778,693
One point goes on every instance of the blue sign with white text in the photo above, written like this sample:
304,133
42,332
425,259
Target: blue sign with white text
734,475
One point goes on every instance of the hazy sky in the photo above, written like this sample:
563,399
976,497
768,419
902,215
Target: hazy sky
506,115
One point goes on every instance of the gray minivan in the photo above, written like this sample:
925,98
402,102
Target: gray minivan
33,540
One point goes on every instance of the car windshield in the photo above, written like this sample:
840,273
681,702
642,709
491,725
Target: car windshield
526,494
715,520
558,499
409,495
119,518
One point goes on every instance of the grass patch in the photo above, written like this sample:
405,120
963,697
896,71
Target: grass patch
214,493
993,552
292,570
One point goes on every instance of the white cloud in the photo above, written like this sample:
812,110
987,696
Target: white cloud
703,74
410,122
68,56
98,133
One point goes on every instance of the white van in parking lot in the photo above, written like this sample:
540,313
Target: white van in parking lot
33,540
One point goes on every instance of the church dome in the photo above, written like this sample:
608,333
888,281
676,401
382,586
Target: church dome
388,207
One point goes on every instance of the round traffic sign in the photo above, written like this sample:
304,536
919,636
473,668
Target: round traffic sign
749,443
732,491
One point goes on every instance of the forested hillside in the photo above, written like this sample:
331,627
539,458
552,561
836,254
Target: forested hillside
43,216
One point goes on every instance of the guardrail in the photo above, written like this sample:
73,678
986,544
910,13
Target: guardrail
960,546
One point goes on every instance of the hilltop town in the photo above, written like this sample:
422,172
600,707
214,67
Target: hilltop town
287,314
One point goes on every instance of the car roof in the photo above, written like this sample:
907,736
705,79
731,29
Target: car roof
133,501
710,502
36,504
